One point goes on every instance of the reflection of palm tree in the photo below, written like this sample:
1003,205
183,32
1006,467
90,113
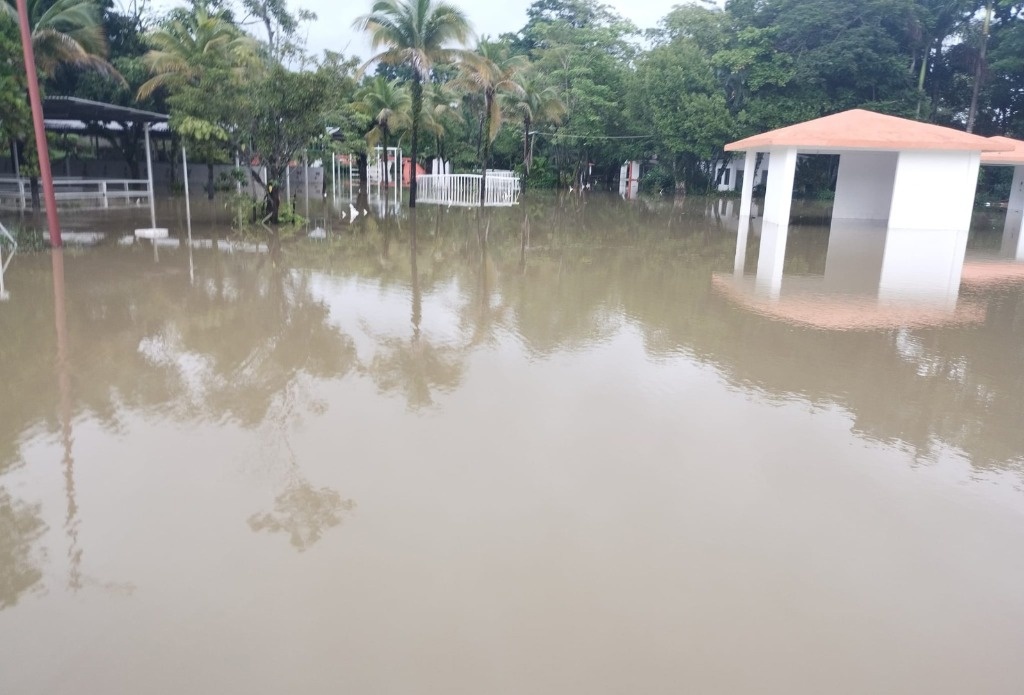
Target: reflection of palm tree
304,513
20,527
415,367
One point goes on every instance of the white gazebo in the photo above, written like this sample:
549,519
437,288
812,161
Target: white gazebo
1011,154
905,174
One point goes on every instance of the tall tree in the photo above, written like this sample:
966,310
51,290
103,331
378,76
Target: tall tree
389,106
490,71
65,32
418,34
535,104
194,55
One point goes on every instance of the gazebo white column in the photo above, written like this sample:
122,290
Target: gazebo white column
740,260
1013,227
771,258
749,164
779,193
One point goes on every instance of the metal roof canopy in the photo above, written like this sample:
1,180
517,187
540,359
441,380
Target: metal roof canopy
73,108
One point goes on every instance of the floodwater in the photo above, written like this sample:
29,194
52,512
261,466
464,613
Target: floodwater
579,446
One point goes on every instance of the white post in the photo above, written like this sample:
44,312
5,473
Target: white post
188,214
740,260
334,177
103,193
149,178
771,258
1013,239
747,194
238,165
3,292
288,182
778,199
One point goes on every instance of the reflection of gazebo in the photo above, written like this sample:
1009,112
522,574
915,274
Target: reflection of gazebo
1012,155
875,278
907,174
73,115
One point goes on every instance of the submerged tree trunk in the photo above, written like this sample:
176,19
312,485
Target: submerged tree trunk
417,107
361,166
486,149
384,139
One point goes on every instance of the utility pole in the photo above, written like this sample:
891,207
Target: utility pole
37,122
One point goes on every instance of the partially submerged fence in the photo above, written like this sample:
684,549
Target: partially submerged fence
17,192
502,189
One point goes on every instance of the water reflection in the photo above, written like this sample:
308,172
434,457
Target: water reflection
873,278
560,391
20,527
304,513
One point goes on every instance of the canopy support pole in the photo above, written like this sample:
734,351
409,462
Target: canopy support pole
37,123
149,180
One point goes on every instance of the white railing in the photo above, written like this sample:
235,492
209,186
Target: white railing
19,192
464,189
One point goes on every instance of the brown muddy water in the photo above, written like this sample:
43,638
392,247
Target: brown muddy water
580,446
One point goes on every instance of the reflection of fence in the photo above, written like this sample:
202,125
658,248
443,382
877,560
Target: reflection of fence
17,193
464,189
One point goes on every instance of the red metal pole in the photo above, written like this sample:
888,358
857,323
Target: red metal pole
37,122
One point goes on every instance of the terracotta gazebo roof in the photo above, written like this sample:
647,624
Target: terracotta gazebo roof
858,129
1010,157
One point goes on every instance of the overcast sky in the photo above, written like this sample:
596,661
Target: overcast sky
333,27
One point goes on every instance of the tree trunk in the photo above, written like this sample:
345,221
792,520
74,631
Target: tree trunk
384,139
486,148
417,107
526,152
363,178
920,78
972,113
209,180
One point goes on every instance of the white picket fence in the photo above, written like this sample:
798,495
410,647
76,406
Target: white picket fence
464,189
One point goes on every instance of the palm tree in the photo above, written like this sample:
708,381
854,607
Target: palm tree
389,105
187,47
193,54
535,104
65,32
438,108
490,71
414,33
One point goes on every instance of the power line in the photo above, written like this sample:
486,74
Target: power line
594,137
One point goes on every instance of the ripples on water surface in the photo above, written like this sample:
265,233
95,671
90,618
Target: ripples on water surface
575,448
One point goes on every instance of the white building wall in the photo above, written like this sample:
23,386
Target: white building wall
856,249
737,165
934,190
864,185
